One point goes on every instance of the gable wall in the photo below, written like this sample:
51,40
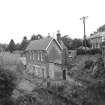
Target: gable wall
54,52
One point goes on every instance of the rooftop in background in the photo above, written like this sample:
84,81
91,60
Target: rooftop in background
40,44
97,34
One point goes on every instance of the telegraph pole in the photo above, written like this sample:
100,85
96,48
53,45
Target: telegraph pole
84,37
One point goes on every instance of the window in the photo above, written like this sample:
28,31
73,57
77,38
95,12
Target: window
33,55
41,56
38,56
30,55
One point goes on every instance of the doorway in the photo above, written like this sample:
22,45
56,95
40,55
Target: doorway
64,74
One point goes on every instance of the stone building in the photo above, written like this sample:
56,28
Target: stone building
96,39
44,59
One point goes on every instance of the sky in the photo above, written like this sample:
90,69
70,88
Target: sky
19,18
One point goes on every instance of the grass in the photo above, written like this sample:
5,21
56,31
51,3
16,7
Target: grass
7,58
49,96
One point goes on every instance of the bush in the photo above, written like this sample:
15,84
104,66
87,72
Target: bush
57,88
7,86
90,51
80,52
88,64
100,72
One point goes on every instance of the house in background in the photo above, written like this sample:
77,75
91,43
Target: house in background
44,59
96,39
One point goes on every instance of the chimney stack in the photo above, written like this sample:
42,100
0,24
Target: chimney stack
58,36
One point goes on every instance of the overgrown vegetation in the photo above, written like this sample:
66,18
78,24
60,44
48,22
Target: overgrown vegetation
89,51
7,85
88,64
93,82
73,44
87,89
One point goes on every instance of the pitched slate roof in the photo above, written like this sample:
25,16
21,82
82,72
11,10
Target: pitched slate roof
40,44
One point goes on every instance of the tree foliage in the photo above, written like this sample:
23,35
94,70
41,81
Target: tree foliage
33,37
100,73
36,37
93,85
11,46
7,86
86,43
67,41
18,46
71,44
76,43
24,43
89,51
39,36
101,28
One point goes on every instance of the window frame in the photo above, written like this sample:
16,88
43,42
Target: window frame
38,55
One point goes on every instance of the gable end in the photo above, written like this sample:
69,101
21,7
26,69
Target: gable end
56,43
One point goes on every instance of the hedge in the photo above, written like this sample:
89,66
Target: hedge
89,51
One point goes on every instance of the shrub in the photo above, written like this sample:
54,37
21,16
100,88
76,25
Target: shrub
90,51
88,64
95,51
7,86
80,52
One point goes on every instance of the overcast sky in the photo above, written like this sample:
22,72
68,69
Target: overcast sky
20,18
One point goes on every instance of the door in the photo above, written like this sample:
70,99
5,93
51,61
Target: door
64,74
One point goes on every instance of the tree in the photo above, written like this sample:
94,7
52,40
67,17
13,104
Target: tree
101,28
17,46
11,46
71,44
33,37
86,43
67,41
76,43
24,43
7,85
36,37
39,36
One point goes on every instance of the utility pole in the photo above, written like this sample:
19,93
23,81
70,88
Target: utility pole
84,37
